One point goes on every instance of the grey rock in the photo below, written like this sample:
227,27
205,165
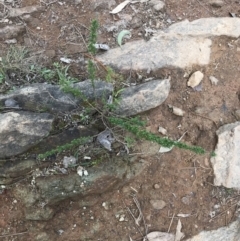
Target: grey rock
207,27
17,12
42,237
158,204
143,97
157,5
217,3
10,171
226,163
230,233
50,98
12,31
41,213
21,130
214,80
160,51
237,114
50,190
101,4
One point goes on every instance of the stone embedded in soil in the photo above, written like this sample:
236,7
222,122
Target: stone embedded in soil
101,4
143,97
226,163
50,190
158,204
157,5
207,27
20,131
195,79
50,98
163,50
17,12
214,80
217,3
229,233
12,31
11,171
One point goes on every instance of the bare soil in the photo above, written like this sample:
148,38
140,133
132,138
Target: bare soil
184,180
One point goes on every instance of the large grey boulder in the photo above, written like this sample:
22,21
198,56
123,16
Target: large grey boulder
48,191
207,27
21,130
230,233
143,97
182,45
163,50
51,98
226,163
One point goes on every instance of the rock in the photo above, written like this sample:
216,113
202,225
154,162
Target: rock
157,5
217,3
66,136
237,114
137,99
77,1
158,204
12,31
159,236
50,98
230,233
17,12
42,237
195,79
156,186
207,27
214,80
162,130
160,51
20,131
226,163
37,214
50,190
10,171
101,4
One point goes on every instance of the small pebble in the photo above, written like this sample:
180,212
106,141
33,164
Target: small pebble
158,204
156,186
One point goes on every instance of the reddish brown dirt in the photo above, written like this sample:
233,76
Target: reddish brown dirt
179,174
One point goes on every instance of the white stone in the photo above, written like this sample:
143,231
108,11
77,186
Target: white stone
158,204
195,79
226,163
207,27
163,50
214,80
157,5
229,233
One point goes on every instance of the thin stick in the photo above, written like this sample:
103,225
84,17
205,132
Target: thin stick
171,223
210,220
14,234
205,118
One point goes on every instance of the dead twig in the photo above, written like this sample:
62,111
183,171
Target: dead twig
204,117
171,223
210,220
13,234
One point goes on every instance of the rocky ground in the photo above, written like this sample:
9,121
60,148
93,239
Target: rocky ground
162,188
